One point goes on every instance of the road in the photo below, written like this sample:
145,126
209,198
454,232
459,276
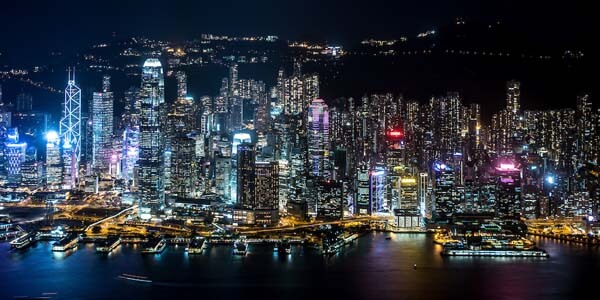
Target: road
288,228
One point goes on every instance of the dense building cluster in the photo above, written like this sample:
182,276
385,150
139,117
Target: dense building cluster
252,154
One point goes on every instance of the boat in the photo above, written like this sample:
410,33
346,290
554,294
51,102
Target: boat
492,253
453,244
24,241
154,246
67,243
240,247
196,246
284,247
136,278
109,244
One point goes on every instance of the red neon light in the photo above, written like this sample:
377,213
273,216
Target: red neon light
395,134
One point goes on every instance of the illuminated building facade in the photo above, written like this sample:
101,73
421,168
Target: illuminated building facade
102,127
70,133
53,165
447,198
318,144
508,199
266,193
246,157
377,198
151,155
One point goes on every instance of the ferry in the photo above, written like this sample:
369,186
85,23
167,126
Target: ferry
240,247
109,244
154,246
196,246
453,244
493,253
284,247
66,243
24,241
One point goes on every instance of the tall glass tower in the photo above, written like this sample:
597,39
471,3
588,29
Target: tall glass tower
151,155
70,132
102,127
318,134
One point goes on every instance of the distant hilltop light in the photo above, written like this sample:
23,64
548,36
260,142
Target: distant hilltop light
152,63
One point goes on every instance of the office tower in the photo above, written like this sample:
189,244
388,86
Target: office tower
246,156
131,115
181,120
284,183
508,198
447,198
184,167
262,116
362,196
413,134
53,166
151,157
233,83
394,164
474,141
318,139
130,155
266,193
407,215
223,178
70,133
24,102
423,195
585,128
181,84
408,193
330,203
14,151
377,198
31,170
102,127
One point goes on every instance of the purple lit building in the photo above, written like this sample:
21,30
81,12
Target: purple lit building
318,139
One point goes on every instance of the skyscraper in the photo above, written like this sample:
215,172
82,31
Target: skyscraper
318,138
508,201
246,156
266,193
53,166
183,167
151,157
181,84
24,102
70,133
102,126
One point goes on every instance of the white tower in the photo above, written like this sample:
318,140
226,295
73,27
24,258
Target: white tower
70,132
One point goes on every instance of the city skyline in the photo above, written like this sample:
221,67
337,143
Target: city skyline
452,153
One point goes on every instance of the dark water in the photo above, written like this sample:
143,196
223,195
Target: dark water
373,268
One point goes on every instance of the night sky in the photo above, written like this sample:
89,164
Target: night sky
30,26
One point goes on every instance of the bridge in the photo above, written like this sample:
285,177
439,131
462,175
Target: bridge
110,218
